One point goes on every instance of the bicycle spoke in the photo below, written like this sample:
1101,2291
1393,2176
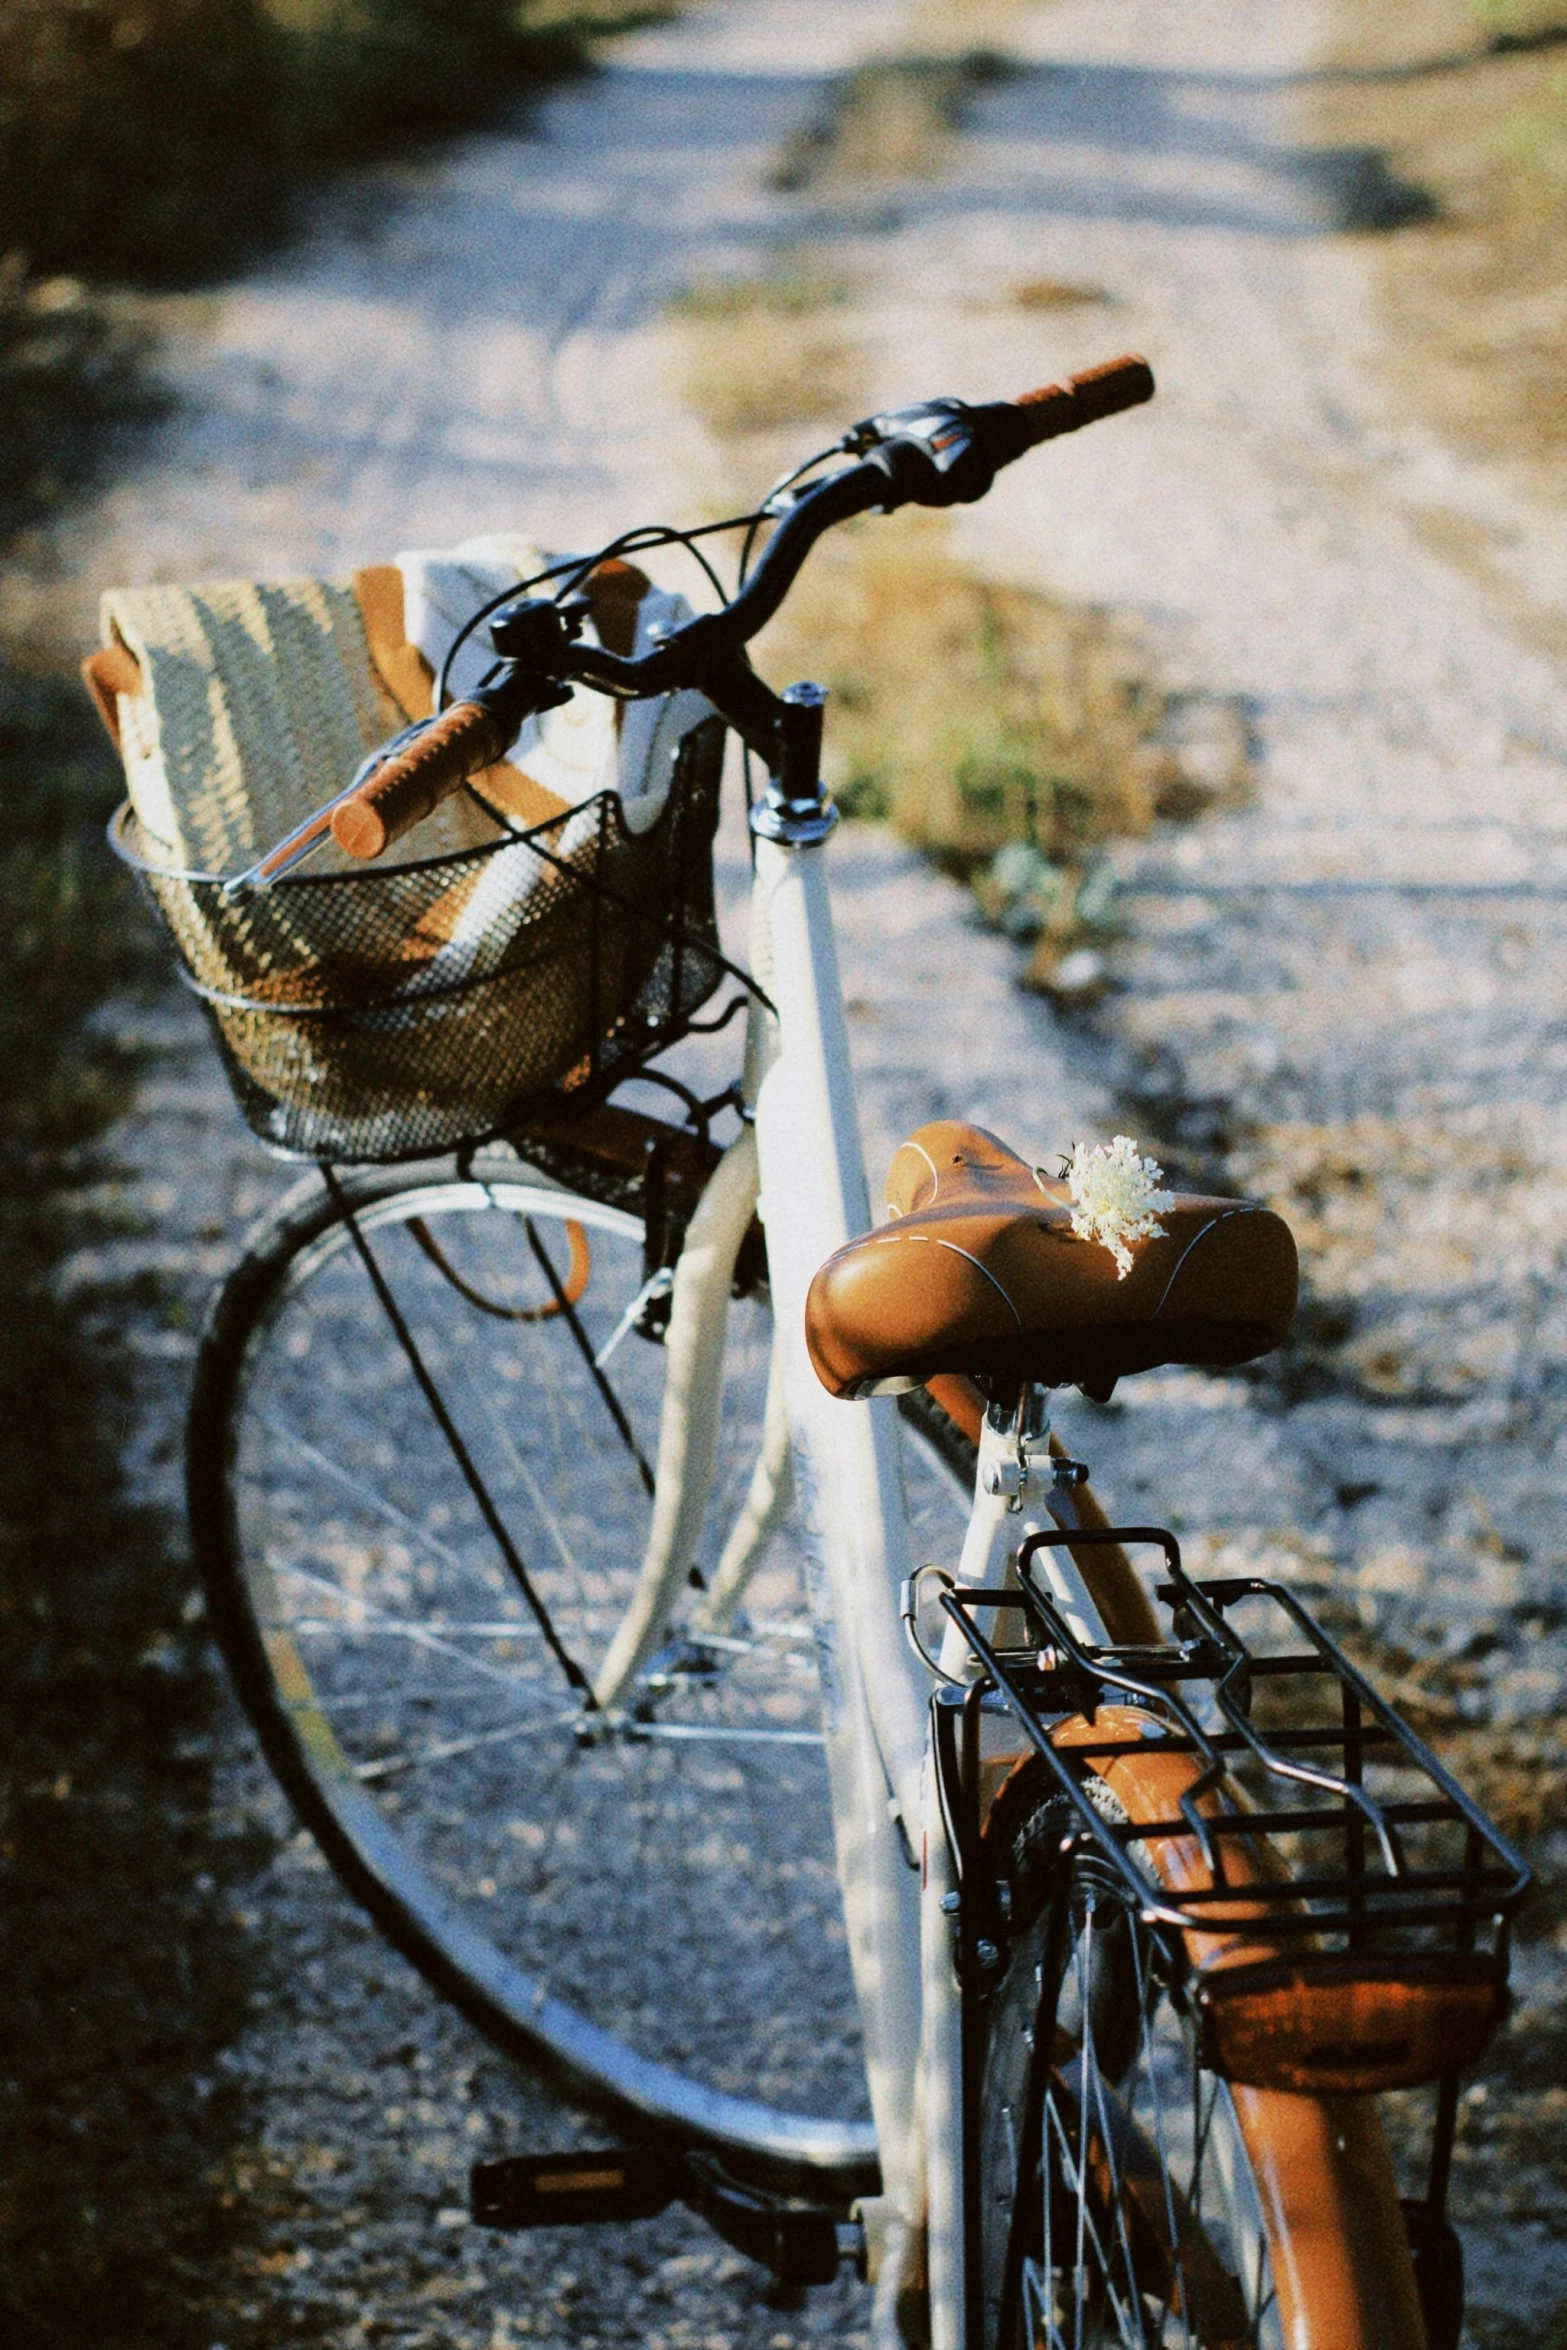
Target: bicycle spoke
704,1733
1141,2226
1081,2184
657,1284
455,1445
535,1492
769,1628
367,1495
449,1749
612,1401
433,1641
687,1855
409,1627
1177,2294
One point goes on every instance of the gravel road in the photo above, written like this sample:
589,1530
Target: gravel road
1343,993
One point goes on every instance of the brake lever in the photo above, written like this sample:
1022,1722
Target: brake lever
938,430
315,831
929,452
514,687
536,632
935,422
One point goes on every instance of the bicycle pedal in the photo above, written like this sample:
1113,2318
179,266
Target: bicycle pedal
575,2190
799,2243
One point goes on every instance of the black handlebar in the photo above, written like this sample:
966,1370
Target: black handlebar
711,641
937,453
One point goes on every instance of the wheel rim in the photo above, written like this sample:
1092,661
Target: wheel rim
655,1906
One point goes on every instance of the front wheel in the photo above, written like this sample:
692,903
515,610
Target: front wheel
649,1903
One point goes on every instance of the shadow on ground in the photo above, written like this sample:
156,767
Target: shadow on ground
125,1975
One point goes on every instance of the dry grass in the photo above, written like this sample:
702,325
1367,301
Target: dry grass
949,28
589,20
1517,1776
889,120
1007,733
1519,24
895,117
1516,1772
997,714
757,354
68,370
124,1978
1468,99
1058,293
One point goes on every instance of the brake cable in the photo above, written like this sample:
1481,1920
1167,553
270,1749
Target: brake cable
573,569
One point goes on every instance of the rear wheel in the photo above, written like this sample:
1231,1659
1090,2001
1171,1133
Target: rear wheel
650,1903
1118,2205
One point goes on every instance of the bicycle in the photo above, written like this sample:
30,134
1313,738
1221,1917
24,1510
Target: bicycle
649,1671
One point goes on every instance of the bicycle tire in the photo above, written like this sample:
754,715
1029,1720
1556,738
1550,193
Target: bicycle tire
689,1878
1141,2220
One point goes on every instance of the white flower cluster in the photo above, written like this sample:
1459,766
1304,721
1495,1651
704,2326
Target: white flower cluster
1116,1198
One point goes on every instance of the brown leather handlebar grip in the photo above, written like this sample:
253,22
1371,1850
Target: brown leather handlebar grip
1084,399
410,787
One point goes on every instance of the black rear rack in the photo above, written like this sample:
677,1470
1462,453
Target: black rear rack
1376,1958
1386,1852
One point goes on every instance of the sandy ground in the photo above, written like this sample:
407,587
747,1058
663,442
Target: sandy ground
1344,995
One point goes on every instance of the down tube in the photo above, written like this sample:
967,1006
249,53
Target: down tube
813,1199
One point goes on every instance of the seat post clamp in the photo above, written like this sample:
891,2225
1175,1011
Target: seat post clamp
1014,1452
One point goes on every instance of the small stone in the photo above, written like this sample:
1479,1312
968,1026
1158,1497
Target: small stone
1070,980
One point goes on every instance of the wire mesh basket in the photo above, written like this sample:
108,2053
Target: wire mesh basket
399,1012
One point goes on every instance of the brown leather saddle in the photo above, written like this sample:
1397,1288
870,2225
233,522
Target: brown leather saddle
979,1271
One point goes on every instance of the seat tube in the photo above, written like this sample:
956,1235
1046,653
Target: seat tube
813,1198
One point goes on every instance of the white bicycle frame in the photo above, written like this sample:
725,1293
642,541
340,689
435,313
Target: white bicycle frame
800,1166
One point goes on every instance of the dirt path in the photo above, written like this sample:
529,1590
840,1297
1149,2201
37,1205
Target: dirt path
1345,993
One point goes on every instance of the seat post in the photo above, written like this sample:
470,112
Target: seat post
1016,1477
1014,1446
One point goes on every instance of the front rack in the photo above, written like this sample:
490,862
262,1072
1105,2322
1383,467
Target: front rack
1385,1852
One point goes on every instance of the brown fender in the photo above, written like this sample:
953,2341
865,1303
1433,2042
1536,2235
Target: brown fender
1336,2238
